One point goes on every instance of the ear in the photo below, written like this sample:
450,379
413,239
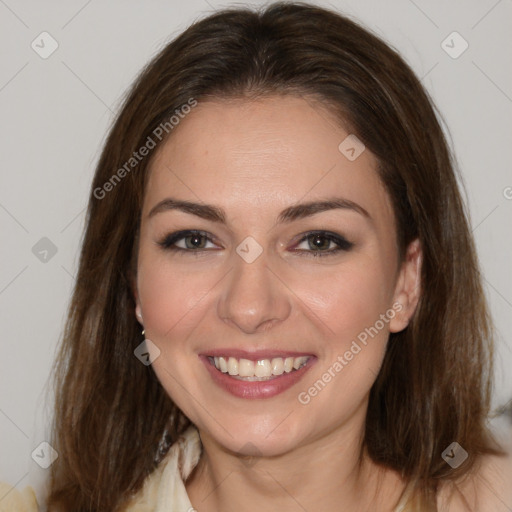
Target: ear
408,287
138,313
138,309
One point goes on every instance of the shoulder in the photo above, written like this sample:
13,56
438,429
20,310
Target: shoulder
487,489
13,500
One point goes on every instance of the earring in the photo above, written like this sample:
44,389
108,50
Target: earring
143,331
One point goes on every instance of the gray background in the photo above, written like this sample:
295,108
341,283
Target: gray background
55,113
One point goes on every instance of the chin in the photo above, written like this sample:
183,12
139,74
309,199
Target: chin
267,437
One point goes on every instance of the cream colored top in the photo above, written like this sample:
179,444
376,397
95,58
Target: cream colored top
163,491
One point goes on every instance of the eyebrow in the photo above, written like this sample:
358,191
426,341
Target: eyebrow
294,212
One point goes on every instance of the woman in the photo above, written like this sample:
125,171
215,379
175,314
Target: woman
277,210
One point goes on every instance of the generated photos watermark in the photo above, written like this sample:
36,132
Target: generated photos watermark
157,135
305,397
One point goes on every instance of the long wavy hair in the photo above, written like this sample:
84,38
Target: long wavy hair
113,420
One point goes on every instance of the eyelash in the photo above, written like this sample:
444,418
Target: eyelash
169,241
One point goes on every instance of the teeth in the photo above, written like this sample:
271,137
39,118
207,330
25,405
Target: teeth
232,366
297,363
288,364
223,366
277,366
264,368
245,368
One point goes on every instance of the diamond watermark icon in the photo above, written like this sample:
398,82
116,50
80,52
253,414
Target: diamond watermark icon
249,250
44,455
44,45
351,147
44,250
454,45
147,352
249,460
454,455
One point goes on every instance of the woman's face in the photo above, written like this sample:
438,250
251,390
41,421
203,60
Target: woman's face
292,261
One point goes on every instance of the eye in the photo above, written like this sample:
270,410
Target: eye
187,240
323,243
315,243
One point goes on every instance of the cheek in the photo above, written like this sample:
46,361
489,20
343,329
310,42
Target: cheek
347,299
174,302
170,296
354,307
352,348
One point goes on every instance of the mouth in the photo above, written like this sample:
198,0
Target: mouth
262,374
258,370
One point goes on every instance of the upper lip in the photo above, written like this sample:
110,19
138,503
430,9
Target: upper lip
253,355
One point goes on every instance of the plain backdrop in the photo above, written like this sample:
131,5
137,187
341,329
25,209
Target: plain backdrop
55,113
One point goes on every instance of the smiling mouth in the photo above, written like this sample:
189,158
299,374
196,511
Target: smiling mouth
260,370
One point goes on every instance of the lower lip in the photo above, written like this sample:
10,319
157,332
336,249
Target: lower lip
256,389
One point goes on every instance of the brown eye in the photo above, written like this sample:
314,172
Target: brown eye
319,242
187,241
323,243
195,241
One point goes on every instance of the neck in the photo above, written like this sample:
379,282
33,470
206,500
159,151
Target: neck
328,473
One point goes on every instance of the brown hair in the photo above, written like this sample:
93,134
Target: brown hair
112,414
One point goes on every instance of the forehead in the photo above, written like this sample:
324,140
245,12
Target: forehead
264,154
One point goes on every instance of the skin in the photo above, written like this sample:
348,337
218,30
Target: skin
253,159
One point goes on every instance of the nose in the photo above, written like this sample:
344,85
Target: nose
254,299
